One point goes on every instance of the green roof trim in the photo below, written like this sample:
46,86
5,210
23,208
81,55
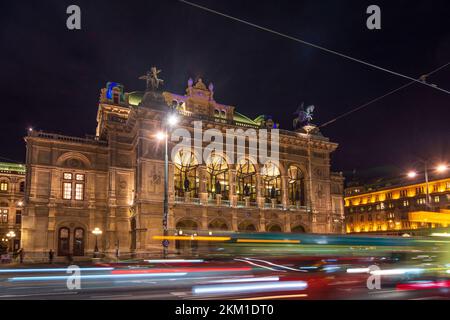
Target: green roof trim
12,167
244,119
134,98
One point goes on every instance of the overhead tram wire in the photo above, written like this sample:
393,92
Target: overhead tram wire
421,78
313,45
10,160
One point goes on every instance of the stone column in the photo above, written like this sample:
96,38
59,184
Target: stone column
203,193
284,191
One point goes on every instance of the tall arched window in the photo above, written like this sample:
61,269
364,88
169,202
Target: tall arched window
296,190
186,178
218,182
271,178
63,241
246,180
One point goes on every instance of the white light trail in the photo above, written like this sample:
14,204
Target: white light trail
256,287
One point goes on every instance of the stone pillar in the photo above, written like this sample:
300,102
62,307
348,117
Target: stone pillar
234,220
218,199
203,193
274,203
287,221
284,191
259,192
262,221
204,221
51,227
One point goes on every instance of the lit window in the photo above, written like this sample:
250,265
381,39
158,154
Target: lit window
80,177
437,199
382,205
3,186
67,176
79,190
67,190
421,201
403,193
4,216
448,185
405,203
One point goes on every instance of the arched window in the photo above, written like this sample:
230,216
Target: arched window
298,229
296,188
22,186
78,242
271,178
275,228
63,241
246,180
186,178
246,226
4,185
218,224
218,182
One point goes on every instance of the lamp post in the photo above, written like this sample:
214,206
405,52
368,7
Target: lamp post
11,235
96,232
440,169
172,120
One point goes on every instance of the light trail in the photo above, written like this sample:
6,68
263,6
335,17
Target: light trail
191,238
255,287
275,265
261,279
267,241
175,261
52,270
96,277
288,296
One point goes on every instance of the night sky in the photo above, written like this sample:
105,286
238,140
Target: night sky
51,77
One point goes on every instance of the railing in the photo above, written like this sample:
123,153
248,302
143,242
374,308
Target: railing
54,136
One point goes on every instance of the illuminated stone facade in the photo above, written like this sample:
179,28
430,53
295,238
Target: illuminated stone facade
12,191
401,208
115,179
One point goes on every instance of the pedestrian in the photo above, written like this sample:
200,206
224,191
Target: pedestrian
21,254
69,258
50,256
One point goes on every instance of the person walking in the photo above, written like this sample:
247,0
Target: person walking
21,255
50,256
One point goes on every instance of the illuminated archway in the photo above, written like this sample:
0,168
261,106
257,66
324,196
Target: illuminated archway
217,171
246,180
271,178
186,180
296,189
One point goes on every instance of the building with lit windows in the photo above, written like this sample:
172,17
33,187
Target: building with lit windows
399,206
12,191
114,180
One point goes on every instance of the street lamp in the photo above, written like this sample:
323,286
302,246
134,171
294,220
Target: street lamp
96,232
171,121
440,169
11,235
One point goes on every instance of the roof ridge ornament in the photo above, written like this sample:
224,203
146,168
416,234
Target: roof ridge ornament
152,80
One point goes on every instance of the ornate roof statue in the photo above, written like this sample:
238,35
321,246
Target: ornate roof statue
152,79
304,116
